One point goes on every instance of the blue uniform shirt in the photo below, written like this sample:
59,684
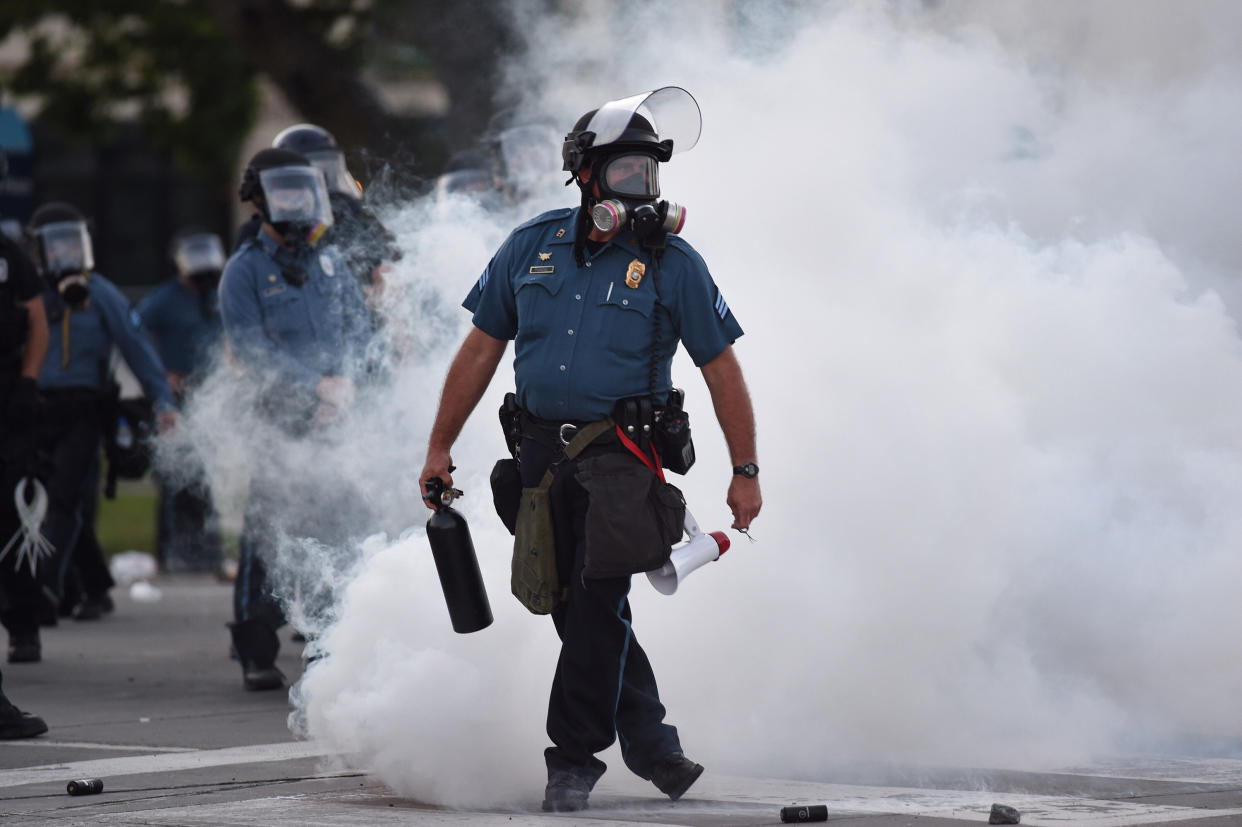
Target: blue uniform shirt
80,343
583,337
186,326
301,333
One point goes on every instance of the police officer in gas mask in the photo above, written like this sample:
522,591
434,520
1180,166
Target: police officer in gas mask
183,317
364,241
296,321
596,299
87,316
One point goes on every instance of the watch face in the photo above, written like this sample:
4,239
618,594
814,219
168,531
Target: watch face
747,470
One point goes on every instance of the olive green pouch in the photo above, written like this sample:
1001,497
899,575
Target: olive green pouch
535,582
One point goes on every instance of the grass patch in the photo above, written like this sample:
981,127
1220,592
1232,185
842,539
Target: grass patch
128,522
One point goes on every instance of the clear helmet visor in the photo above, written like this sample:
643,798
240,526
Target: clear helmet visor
632,174
199,253
671,110
65,247
296,195
331,162
530,153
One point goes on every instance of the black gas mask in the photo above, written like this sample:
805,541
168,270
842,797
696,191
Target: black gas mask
63,252
629,187
200,260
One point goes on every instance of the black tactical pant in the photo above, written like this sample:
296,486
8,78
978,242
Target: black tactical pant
20,594
70,432
187,538
296,543
603,688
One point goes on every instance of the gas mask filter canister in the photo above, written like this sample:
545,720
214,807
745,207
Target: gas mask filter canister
612,213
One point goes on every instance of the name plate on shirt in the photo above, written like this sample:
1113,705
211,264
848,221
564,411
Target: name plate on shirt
542,269
272,291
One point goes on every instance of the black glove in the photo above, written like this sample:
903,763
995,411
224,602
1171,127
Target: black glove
25,403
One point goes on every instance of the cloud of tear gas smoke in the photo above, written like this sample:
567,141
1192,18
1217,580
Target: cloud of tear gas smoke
986,273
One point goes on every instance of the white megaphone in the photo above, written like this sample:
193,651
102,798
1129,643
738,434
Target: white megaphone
700,548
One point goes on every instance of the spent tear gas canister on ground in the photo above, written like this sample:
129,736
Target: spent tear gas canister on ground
807,812
699,549
85,786
456,562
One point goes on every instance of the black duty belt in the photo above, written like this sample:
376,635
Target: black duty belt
556,434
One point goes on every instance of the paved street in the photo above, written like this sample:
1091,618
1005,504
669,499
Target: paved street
148,701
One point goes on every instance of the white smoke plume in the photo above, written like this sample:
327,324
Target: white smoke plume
985,259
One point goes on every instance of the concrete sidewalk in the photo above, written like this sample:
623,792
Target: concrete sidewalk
148,700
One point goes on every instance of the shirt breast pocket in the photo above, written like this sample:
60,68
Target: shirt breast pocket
284,312
625,319
535,294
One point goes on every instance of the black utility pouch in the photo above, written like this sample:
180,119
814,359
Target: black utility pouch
672,434
507,492
632,520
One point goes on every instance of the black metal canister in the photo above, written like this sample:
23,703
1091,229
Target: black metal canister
85,786
456,562
807,812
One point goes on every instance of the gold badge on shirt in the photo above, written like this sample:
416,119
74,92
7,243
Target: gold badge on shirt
545,256
634,275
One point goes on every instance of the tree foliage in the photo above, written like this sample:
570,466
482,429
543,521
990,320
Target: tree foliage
171,67
186,71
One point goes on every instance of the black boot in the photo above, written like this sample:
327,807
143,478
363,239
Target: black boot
24,646
256,645
17,724
674,774
566,792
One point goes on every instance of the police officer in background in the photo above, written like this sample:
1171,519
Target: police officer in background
23,343
596,308
87,316
183,317
296,321
359,236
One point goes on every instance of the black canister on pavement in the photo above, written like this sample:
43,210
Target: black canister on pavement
807,812
85,786
456,562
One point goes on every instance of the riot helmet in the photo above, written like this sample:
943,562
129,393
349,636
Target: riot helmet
635,124
318,146
198,256
59,241
620,145
290,192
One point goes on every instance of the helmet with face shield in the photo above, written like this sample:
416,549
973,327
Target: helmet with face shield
620,145
59,241
199,257
290,192
318,146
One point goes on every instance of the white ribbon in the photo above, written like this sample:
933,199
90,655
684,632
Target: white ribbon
28,541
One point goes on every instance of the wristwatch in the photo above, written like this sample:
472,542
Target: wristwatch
750,470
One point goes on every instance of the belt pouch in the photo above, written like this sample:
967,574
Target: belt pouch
507,492
535,582
633,518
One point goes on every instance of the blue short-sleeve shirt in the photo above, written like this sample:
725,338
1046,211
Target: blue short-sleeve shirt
302,333
184,324
79,351
584,336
